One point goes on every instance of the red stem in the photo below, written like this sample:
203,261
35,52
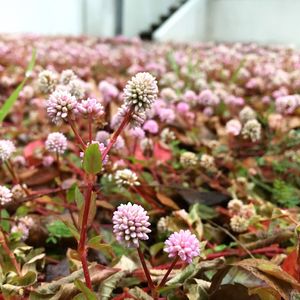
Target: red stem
90,129
164,280
78,137
146,271
11,256
83,235
117,132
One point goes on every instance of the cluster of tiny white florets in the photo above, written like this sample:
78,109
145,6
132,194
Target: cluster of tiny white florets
167,135
207,162
5,195
140,92
252,130
188,159
76,88
7,148
23,227
247,114
19,191
126,177
239,224
47,81
67,76
131,224
241,214
61,105
56,142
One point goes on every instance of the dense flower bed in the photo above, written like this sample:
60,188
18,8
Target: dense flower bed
131,169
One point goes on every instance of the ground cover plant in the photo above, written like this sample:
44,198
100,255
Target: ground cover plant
134,170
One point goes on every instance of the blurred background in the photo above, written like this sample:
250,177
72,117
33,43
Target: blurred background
262,21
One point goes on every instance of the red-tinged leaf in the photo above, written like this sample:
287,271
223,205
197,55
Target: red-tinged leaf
160,153
290,263
30,151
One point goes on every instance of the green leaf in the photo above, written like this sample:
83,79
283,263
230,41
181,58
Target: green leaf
154,249
139,294
73,230
9,102
4,224
58,229
89,295
95,243
92,160
74,194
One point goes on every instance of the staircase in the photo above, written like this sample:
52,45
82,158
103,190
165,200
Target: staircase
148,34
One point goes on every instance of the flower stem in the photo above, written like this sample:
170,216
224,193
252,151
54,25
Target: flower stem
117,132
11,256
146,271
90,129
78,137
83,235
164,280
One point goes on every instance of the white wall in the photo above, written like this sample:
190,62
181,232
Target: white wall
187,24
265,21
140,14
100,18
41,16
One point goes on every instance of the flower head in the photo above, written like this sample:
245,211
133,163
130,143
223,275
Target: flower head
287,104
7,148
208,98
235,206
184,244
126,177
246,114
167,135
140,92
47,81
188,159
102,136
239,224
23,227
131,224
67,76
151,126
108,91
91,108
233,127
252,130
61,105
208,162
5,195
76,88
56,142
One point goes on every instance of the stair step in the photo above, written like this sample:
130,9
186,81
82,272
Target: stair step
146,35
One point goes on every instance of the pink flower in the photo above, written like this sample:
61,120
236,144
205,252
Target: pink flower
91,108
208,98
48,161
7,148
61,105
102,136
166,115
131,224
56,142
184,244
137,132
208,111
182,107
233,127
108,91
151,126
190,96
287,104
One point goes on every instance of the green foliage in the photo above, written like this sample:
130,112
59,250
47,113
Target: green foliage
89,295
10,101
74,194
58,229
92,160
285,193
4,224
